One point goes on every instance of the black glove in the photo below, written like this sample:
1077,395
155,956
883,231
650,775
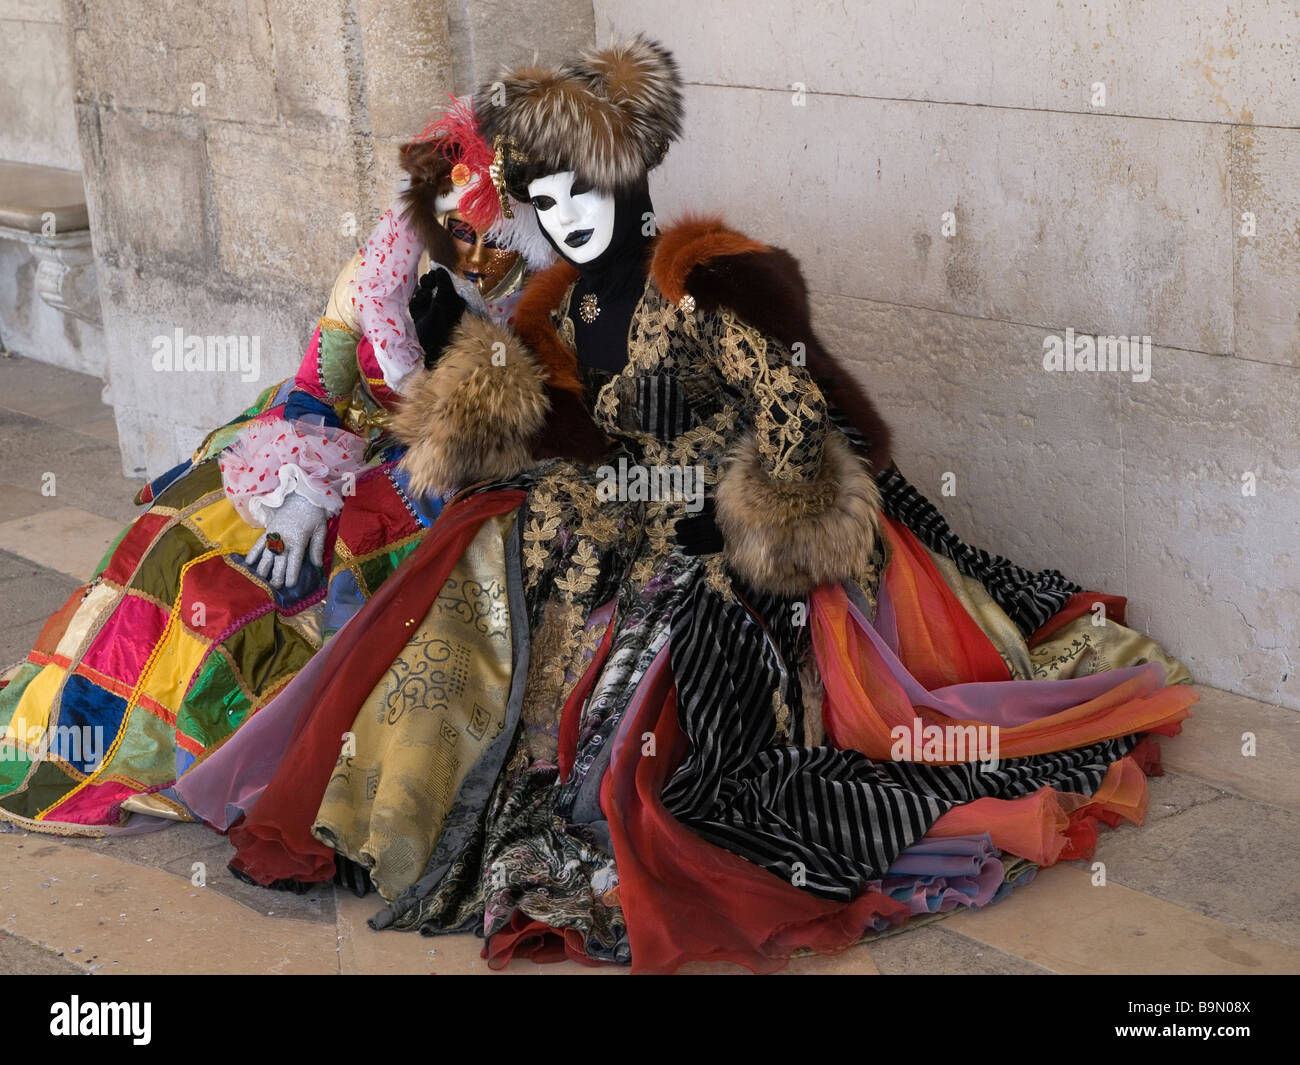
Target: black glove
698,534
435,309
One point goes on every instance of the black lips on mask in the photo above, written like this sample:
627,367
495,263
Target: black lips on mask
616,277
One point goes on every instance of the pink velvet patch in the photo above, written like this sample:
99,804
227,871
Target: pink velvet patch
123,644
93,805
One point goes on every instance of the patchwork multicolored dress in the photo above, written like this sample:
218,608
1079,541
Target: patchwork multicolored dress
174,643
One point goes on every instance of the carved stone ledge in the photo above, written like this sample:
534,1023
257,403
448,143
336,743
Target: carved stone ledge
65,271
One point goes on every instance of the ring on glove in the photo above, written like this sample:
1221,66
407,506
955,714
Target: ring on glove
275,543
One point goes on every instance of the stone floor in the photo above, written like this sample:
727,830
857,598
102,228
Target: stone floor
1210,884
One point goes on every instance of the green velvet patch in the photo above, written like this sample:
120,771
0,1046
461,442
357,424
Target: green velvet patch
49,784
338,362
159,572
147,752
214,706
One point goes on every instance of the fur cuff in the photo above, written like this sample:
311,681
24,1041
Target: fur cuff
470,418
790,537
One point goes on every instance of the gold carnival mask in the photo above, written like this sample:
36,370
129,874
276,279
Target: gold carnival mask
494,269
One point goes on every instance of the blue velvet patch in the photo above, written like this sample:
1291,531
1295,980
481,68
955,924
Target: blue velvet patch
88,722
303,405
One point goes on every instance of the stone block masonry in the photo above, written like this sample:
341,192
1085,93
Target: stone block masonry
235,154
962,183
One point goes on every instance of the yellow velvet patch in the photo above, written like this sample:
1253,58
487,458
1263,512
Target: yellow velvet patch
174,666
220,523
32,714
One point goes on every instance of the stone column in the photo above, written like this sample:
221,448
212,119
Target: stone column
236,153
49,309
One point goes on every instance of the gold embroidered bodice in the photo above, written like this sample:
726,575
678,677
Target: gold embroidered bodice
695,382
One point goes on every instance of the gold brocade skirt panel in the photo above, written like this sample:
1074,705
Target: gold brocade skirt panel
439,706
1079,649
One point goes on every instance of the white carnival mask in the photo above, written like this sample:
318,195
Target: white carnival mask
578,218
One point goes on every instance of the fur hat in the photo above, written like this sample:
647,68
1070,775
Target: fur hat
609,116
449,166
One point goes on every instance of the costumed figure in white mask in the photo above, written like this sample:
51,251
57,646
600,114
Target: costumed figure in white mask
639,696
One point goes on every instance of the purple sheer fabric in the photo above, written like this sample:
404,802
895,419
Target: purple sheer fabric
938,875
1005,703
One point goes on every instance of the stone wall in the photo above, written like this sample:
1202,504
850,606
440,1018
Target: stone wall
847,132
36,121
236,153
37,127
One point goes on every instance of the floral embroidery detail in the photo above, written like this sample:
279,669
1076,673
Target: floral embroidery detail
781,714
579,578
606,412
537,533
715,574
787,408
554,643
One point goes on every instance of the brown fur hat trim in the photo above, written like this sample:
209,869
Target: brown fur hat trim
609,116
472,416
787,537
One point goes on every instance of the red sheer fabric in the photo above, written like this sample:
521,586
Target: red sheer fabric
1076,606
538,942
938,640
275,842
686,900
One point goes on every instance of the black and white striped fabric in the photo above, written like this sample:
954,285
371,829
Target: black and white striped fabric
1029,598
823,819
662,406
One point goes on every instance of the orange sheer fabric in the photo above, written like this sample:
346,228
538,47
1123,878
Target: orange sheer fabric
1050,825
940,645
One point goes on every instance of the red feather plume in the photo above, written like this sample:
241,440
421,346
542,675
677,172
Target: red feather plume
457,133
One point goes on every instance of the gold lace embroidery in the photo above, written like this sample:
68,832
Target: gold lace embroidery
563,323
715,575
553,647
579,578
337,326
539,532
789,411
607,404
657,328
781,713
